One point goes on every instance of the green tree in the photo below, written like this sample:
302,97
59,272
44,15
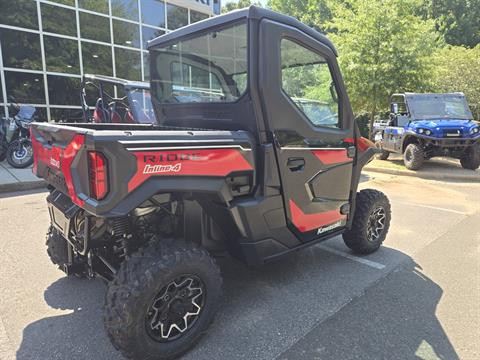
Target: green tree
384,48
239,5
457,20
315,13
458,69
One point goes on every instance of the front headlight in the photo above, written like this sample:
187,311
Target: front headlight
428,132
420,131
475,130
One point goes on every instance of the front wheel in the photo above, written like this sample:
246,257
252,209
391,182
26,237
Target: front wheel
371,222
471,159
382,155
413,157
162,300
20,154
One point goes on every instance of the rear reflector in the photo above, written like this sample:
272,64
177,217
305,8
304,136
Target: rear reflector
97,171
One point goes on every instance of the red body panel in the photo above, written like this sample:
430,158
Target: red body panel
195,162
307,222
335,156
60,159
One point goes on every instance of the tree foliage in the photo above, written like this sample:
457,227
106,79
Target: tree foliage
457,20
458,69
238,5
315,13
384,48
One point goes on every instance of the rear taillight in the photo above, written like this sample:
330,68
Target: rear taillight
97,171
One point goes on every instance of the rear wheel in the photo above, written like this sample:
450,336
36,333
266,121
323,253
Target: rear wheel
384,154
413,157
162,300
57,250
20,154
370,223
471,159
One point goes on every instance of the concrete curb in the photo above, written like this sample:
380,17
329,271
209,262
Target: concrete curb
22,186
424,174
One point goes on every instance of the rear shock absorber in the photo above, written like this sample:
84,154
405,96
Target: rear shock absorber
120,231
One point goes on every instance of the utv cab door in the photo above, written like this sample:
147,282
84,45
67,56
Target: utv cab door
311,123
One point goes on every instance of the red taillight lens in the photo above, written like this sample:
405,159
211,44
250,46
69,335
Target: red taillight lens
97,171
364,143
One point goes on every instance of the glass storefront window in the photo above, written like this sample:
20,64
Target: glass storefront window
146,66
149,34
97,59
65,2
66,115
197,16
176,16
58,20
127,9
153,12
94,27
10,10
100,6
61,55
128,64
63,90
21,49
25,87
126,34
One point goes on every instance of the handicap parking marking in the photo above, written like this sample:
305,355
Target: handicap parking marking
360,260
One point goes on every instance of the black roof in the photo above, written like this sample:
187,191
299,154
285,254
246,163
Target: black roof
252,12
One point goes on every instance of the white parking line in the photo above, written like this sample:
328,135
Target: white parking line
435,208
360,260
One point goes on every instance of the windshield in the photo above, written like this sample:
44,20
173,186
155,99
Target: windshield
439,107
211,67
142,106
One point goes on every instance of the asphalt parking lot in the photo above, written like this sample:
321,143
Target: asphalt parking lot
416,298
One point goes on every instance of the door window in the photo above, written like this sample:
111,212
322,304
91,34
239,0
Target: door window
307,81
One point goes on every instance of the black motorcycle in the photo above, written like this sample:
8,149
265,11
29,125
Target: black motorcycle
15,144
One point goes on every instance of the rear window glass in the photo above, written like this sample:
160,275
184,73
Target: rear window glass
211,67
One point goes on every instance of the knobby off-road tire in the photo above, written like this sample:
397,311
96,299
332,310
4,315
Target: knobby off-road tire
384,154
57,250
136,299
471,160
413,157
57,247
371,222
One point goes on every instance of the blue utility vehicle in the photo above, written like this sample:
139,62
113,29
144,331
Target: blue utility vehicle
421,126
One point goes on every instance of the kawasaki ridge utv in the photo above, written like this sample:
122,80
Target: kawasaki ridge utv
254,153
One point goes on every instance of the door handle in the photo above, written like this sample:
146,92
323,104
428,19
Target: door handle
296,164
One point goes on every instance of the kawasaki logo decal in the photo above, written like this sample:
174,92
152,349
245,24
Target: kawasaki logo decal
329,227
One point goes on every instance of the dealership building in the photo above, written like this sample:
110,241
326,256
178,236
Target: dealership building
46,46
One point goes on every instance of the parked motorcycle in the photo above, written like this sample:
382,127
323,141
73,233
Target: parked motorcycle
15,144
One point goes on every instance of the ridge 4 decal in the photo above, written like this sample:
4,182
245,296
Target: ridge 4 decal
199,162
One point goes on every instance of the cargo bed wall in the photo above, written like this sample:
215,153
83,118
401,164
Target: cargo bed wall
142,161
